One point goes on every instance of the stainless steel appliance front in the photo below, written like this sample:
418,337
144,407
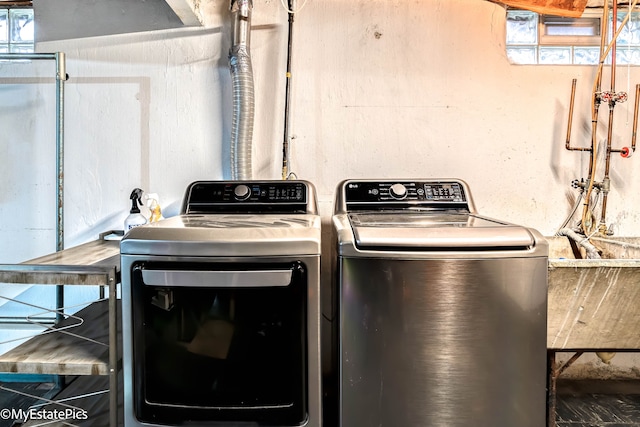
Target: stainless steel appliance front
442,313
222,310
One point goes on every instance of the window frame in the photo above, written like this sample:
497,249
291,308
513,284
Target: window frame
546,21
526,46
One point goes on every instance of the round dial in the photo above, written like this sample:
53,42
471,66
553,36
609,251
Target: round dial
242,192
398,191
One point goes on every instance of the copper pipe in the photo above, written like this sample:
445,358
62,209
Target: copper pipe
614,98
597,97
614,23
570,122
635,119
612,104
567,144
587,225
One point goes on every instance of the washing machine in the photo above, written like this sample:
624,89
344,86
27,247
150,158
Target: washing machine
441,312
221,311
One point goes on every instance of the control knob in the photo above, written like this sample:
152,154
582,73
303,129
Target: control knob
398,191
242,192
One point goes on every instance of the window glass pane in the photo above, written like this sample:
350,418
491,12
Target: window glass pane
4,25
586,55
21,25
21,48
522,55
543,39
555,55
4,48
522,27
628,56
631,32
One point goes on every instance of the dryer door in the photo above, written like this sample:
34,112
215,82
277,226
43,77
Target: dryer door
220,342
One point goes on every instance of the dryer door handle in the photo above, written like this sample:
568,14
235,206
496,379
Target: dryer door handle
217,279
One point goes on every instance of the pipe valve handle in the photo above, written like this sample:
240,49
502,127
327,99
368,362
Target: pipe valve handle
610,96
626,152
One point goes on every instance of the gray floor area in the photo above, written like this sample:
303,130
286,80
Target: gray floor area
579,404
598,403
19,395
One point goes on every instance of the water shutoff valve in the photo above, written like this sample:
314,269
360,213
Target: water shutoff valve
578,184
612,97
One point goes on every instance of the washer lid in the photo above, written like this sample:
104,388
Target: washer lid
435,230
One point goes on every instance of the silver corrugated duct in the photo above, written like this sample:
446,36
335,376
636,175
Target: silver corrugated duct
243,93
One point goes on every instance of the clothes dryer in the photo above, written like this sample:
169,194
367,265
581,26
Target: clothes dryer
221,309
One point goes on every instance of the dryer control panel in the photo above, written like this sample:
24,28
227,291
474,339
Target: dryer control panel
248,197
367,194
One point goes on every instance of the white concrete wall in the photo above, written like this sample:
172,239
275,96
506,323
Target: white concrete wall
392,88
381,89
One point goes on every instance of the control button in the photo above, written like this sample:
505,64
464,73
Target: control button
242,192
398,191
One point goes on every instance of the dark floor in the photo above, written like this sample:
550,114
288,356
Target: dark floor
95,401
579,403
598,403
20,397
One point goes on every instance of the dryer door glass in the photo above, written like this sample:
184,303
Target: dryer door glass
220,342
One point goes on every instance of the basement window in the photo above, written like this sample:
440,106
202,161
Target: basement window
553,40
16,29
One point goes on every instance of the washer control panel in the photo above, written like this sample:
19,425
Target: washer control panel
245,196
395,193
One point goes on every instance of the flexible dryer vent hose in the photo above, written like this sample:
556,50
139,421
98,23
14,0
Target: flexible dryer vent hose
243,91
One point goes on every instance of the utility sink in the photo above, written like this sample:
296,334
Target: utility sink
594,304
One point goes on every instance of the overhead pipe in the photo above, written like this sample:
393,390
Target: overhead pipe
243,90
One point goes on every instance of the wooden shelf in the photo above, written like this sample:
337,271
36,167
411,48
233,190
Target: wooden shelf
83,344
92,263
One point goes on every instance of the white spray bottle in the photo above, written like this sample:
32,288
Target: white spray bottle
135,218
